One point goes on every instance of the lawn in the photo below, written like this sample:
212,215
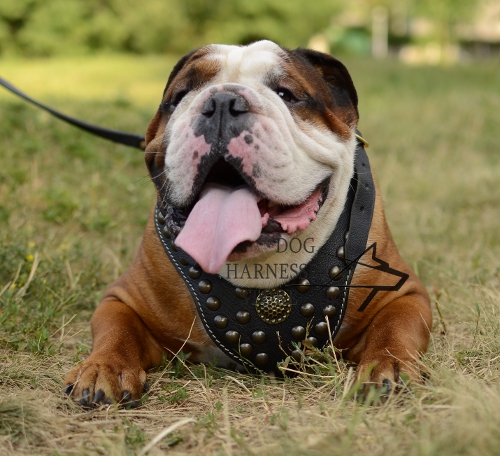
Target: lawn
72,211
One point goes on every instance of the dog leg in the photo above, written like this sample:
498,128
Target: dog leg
123,349
393,342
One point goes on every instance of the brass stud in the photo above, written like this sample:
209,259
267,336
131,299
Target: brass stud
161,219
220,321
243,317
205,286
166,233
341,252
183,261
313,341
332,292
173,246
261,359
213,303
194,272
329,311
246,349
259,337
296,355
334,273
321,328
241,293
298,332
307,310
273,306
232,337
303,286
346,237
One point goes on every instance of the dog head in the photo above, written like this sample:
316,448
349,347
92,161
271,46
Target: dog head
251,147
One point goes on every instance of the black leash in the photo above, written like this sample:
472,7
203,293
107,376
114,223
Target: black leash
121,137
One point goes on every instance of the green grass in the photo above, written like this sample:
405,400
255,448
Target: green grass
138,80
72,211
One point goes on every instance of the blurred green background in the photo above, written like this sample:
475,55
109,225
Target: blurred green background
44,28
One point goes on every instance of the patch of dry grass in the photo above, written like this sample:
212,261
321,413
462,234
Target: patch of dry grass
73,208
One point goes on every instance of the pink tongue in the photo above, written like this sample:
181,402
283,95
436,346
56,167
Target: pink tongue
221,219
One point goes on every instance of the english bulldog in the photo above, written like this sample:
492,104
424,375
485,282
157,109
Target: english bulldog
267,237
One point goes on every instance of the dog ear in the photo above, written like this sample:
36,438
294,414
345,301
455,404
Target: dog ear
155,122
178,67
334,73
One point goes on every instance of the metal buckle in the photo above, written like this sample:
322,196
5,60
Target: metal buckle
363,140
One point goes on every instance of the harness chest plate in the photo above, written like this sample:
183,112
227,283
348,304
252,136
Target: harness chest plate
259,328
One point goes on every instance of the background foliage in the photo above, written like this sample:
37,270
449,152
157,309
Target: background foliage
50,27
69,27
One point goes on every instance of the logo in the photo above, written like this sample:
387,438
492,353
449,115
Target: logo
389,279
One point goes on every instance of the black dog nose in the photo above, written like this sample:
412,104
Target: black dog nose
224,103
225,115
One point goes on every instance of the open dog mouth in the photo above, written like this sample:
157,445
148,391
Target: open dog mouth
229,215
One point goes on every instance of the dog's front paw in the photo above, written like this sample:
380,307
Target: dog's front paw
106,379
377,380
376,371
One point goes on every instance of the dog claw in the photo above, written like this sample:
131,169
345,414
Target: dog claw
126,397
381,392
385,391
68,388
360,393
85,399
98,397
145,387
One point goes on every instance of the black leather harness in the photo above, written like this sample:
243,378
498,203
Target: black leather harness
259,328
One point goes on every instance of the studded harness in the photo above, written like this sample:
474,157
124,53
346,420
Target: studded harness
259,328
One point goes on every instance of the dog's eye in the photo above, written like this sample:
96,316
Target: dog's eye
286,95
178,97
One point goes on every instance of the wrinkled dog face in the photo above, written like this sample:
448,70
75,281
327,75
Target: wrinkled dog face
250,145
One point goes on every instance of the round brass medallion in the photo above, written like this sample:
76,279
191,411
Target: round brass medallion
273,306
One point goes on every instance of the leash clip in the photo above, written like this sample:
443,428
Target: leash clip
363,140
